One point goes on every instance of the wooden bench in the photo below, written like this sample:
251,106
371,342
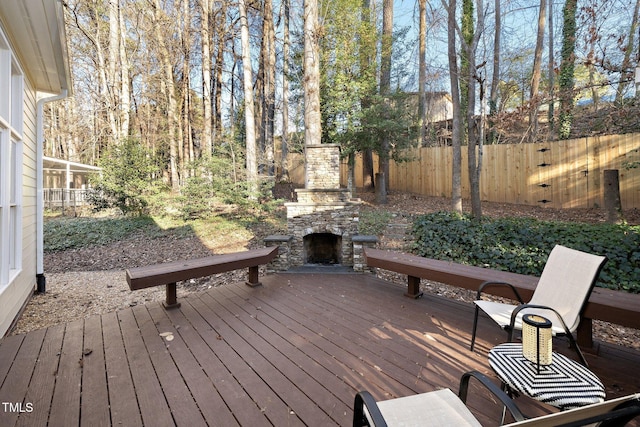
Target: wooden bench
170,273
621,308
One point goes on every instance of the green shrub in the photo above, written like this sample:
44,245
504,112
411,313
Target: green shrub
522,245
127,179
220,181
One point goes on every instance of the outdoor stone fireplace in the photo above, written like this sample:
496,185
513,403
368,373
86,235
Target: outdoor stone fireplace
322,223
322,248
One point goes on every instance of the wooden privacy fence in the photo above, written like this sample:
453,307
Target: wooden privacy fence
558,174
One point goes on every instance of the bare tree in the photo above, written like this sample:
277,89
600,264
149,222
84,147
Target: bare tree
536,75
495,74
470,40
113,74
422,73
567,66
456,137
160,22
222,36
626,68
366,58
312,119
205,40
249,117
283,171
385,89
550,113
268,71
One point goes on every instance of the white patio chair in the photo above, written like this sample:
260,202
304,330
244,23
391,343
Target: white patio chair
437,408
443,408
561,295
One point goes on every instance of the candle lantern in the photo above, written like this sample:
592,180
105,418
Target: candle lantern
536,339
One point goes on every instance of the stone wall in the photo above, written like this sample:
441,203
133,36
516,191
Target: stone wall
339,218
282,261
361,242
322,167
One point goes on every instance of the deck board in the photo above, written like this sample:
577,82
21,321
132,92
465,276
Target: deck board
280,357
44,377
122,395
202,341
291,352
65,404
154,408
178,396
16,383
95,393
10,347
204,393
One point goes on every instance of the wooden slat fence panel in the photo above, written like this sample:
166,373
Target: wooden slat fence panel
511,172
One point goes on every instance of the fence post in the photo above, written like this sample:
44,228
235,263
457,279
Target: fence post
611,188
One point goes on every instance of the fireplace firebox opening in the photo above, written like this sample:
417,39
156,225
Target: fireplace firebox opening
322,248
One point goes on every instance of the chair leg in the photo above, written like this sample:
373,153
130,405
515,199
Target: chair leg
509,331
574,345
475,327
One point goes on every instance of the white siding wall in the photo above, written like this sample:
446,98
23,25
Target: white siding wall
14,296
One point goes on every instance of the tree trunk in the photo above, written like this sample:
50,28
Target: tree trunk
535,79
422,43
284,170
169,87
612,204
185,89
351,176
311,81
381,191
471,38
113,76
125,86
385,89
626,75
550,114
466,38
205,40
269,87
495,74
456,172
217,86
250,128
566,80
365,63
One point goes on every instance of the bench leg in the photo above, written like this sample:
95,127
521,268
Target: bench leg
253,277
413,287
172,296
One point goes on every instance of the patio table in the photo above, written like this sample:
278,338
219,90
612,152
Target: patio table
564,383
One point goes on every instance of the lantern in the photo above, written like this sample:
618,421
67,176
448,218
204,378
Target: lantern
536,339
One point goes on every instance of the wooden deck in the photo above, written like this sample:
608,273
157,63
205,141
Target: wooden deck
292,352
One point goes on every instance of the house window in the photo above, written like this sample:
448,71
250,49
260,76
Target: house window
11,118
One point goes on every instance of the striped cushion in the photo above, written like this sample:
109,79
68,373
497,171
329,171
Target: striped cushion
564,384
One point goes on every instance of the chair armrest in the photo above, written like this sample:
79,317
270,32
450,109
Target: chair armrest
495,283
493,388
365,399
521,307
